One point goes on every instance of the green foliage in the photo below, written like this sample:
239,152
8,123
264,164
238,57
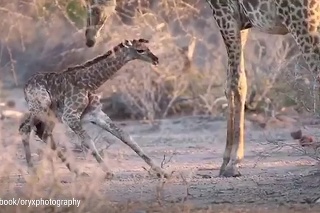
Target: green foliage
76,12
73,9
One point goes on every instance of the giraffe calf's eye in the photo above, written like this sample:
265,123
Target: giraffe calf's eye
140,51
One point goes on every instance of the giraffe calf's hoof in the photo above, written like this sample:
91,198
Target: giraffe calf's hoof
163,175
33,174
82,175
230,172
109,176
32,171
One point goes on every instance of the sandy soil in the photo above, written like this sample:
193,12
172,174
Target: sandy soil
273,175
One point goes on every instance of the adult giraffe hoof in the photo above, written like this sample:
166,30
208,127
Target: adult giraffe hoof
230,172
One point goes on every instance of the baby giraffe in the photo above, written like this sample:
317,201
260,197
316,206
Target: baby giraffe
69,97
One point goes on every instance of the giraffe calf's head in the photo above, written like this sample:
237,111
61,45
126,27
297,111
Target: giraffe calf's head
139,50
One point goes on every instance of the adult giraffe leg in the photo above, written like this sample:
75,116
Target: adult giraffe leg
233,125
244,38
236,94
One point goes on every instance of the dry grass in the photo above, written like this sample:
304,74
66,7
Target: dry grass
53,181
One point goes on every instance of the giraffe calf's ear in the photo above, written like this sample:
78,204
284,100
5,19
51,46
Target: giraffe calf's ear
99,94
127,43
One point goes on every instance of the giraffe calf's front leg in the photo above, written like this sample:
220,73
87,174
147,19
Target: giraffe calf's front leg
100,119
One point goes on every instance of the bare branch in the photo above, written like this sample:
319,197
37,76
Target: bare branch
18,15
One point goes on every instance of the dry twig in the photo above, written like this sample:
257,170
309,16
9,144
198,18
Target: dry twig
278,144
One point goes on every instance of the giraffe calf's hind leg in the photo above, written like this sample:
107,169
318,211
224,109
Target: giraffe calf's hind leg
47,134
25,132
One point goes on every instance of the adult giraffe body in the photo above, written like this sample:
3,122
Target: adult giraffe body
300,18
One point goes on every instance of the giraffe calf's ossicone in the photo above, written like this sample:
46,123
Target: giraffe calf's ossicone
70,96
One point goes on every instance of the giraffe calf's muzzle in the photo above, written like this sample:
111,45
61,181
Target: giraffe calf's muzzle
155,60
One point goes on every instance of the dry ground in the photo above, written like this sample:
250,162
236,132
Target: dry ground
275,178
